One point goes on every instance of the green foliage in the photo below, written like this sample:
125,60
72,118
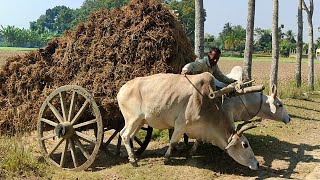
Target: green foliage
186,11
55,20
209,42
160,135
16,37
232,54
17,160
317,43
233,37
287,43
90,6
288,89
285,46
263,41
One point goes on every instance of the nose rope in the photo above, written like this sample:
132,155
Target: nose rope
252,116
193,85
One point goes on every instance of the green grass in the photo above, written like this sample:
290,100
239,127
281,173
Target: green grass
17,49
288,89
17,160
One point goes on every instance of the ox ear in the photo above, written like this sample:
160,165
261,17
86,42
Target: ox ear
273,92
273,108
270,101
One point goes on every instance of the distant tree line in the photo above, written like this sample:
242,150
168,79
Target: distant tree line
232,38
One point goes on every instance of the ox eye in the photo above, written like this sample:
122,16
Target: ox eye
280,105
245,145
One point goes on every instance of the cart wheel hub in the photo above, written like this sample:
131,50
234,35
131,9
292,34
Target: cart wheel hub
64,130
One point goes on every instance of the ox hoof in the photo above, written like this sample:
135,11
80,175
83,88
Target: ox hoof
134,163
188,156
167,161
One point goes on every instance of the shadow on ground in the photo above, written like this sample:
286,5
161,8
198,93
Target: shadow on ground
213,158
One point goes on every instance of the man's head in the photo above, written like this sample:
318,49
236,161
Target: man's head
214,55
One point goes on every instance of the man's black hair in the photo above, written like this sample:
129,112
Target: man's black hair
217,50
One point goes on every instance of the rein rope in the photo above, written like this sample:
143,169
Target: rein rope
193,85
261,98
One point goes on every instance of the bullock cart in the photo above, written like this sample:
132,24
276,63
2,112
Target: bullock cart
72,130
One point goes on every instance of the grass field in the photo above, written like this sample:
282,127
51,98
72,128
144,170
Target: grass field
17,49
285,151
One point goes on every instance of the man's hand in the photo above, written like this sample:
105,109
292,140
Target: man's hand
185,72
239,85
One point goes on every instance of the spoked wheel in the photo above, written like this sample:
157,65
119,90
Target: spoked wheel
65,128
140,143
141,140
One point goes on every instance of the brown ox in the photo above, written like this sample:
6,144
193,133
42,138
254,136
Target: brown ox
166,101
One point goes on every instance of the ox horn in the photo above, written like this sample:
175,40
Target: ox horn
244,128
273,91
211,94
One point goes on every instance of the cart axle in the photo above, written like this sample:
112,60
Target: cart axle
64,130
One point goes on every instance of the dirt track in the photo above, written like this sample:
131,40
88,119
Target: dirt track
261,70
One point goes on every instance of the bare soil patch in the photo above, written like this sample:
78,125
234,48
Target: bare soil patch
5,54
261,70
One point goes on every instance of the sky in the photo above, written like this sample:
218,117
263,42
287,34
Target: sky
236,11
20,12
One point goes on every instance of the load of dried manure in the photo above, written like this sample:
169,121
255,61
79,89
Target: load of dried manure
139,39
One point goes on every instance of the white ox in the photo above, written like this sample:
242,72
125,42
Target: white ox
247,106
166,101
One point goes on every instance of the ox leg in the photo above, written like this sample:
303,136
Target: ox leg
177,133
126,134
193,149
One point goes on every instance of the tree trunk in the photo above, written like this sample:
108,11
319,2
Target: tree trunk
247,64
311,55
275,45
299,45
310,45
199,29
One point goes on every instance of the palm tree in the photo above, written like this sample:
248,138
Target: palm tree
247,64
199,29
310,46
10,34
290,36
275,44
299,45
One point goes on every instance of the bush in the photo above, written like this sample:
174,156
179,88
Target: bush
289,89
232,54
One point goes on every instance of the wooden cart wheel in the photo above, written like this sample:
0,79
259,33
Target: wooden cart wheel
141,141
65,128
